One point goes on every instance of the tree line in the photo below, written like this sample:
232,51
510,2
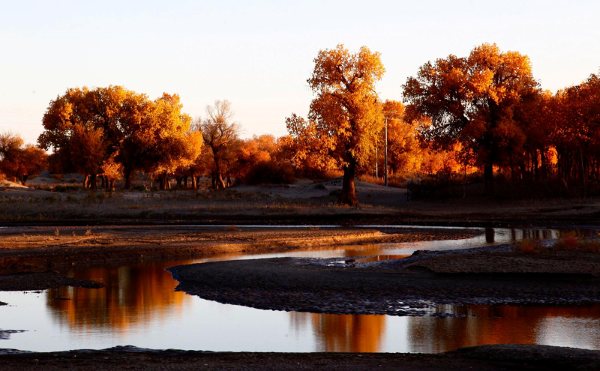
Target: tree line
483,113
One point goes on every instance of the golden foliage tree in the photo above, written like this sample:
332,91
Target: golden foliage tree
471,100
577,132
221,136
113,129
253,151
404,147
168,132
308,151
18,161
83,127
346,108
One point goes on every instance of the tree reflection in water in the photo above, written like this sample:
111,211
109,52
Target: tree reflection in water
140,295
132,295
501,324
343,332
472,325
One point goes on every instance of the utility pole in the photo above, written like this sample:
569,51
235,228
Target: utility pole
376,162
385,161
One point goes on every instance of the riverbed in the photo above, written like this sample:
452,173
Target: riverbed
139,306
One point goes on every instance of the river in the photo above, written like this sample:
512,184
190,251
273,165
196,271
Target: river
139,306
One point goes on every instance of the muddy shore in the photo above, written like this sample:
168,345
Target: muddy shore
495,357
33,258
411,286
41,281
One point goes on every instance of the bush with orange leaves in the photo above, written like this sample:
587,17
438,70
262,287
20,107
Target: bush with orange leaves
572,242
528,246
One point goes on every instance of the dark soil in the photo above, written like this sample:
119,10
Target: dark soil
41,281
496,357
409,286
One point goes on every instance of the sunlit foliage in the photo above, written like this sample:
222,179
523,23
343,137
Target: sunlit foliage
471,100
347,109
19,161
113,129
480,114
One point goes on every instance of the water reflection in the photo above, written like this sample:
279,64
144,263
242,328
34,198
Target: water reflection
504,324
472,325
132,295
143,298
343,332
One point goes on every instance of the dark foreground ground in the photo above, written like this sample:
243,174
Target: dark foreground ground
496,357
408,286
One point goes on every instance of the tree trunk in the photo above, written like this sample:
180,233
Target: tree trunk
127,175
488,177
583,173
218,177
93,186
194,183
464,181
348,195
163,180
220,182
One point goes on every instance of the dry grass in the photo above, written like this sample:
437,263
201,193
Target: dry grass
301,201
44,206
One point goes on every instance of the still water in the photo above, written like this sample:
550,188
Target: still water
139,306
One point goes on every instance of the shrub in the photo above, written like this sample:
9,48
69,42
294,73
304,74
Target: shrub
65,188
528,246
572,242
270,173
438,186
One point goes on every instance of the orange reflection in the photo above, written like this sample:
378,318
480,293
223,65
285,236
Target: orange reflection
369,253
506,324
343,332
132,295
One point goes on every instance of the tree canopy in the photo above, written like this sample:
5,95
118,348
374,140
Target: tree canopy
346,108
471,100
20,161
221,135
106,130
478,114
